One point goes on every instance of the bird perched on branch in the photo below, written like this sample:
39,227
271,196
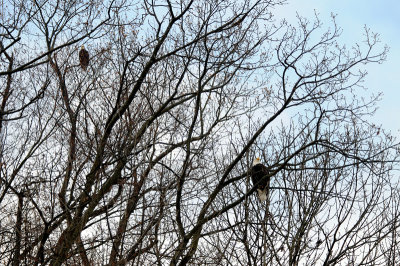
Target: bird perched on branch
260,178
83,58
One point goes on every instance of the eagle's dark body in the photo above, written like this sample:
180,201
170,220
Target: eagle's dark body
83,58
260,178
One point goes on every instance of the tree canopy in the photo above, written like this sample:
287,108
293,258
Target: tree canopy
143,158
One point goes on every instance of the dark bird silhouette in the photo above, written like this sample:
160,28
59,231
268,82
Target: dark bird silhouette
83,58
258,171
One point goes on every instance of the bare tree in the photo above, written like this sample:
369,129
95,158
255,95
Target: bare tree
142,158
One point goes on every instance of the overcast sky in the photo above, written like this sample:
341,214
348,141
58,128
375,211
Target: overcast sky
381,16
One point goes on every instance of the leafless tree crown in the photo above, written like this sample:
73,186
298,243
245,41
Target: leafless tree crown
143,158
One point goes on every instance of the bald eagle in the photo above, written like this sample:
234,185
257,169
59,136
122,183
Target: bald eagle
83,58
258,171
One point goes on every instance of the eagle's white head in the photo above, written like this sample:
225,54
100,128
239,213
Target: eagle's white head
256,161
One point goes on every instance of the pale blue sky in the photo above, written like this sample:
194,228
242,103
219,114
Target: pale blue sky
381,16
